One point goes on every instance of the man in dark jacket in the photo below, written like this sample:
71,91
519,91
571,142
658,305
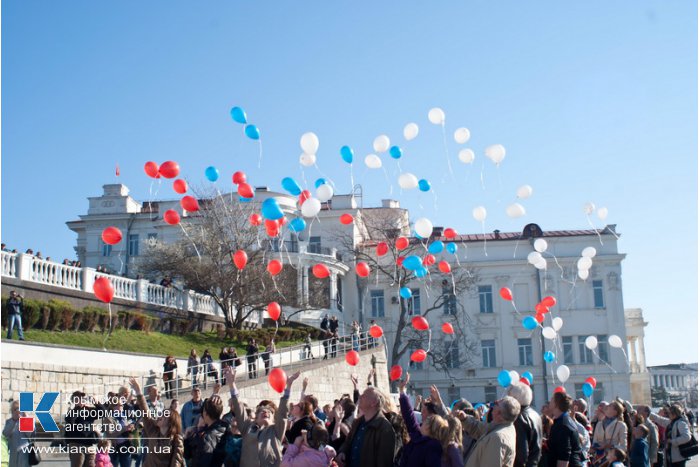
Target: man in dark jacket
528,427
564,444
14,318
80,434
370,435
209,441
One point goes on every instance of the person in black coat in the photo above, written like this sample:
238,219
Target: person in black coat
14,318
207,444
252,356
564,444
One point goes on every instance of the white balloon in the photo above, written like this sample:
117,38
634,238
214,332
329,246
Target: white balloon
515,210
588,252
615,341
307,160
583,274
424,227
541,264
309,143
311,207
408,181
514,376
584,263
324,192
436,116
563,373
381,144
373,161
410,131
534,257
591,342
602,213
549,333
557,323
466,156
588,208
540,245
479,213
462,135
496,152
524,192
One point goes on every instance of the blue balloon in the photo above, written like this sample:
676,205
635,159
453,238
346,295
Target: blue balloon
424,185
291,185
412,262
549,356
212,173
587,389
436,247
347,154
504,378
271,209
405,292
528,376
252,132
297,225
452,247
395,152
529,323
238,115
421,272
244,200
320,181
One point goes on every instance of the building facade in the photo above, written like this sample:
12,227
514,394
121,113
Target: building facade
676,382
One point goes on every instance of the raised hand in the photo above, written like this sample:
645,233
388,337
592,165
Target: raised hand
305,383
230,374
293,378
435,395
404,382
135,385
353,378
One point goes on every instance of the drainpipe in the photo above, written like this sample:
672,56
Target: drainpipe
544,364
132,218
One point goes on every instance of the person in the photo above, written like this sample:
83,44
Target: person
690,415
79,423
615,457
118,430
581,406
208,440
356,336
333,324
267,356
611,431
225,359
193,366
192,409
307,348
304,420
653,437
496,440
309,451
677,433
564,445
166,282
169,368
153,401
528,427
15,307
584,433
340,421
16,440
334,344
252,356
234,360
262,434
207,364
547,423
162,433
326,343
311,399
367,444
102,458
468,442
639,454
324,322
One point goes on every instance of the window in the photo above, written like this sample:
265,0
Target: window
585,354
525,351
414,365
413,303
106,249
567,343
596,398
598,301
315,245
490,394
603,351
133,244
451,354
485,299
450,305
377,297
488,353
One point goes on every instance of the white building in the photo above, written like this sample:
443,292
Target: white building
679,380
493,326
639,373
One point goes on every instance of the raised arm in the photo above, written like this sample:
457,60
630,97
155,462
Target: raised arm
407,411
436,399
474,427
283,410
238,410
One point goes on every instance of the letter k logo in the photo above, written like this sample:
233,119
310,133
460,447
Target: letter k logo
26,404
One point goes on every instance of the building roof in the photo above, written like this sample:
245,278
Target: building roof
675,366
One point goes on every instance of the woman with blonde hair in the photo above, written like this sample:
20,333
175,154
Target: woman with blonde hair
677,433
610,432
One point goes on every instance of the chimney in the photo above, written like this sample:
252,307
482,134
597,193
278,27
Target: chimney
437,232
497,234
390,203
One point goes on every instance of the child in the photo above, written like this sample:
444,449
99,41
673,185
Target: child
102,457
616,457
639,455
310,451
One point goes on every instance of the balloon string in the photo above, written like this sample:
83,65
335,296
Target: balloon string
627,360
430,336
260,157
600,239
190,239
447,152
352,181
603,361
483,185
109,332
389,184
560,268
483,230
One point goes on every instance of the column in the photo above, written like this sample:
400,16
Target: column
88,279
23,267
633,353
305,284
334,291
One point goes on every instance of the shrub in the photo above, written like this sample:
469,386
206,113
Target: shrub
31,312
61,316
142,322
91,315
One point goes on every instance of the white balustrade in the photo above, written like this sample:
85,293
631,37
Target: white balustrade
164,296
123,287
9,264
56,274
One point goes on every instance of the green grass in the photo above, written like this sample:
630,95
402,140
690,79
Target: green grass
138,341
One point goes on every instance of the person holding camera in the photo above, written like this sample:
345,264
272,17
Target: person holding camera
14,308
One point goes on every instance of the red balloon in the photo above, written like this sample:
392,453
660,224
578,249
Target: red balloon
420,323
561,389
399,260
189,204
539,317
549,301
382,249
255,219
274,310
151,169
375,331
419,355
362,269
346,219
240,259
541,309
450,233
171,217
506,294
103,289
180,186
245,191
238,178
525,381
272,228
321,271
401,243
429,260
352,357
444,267
447,328
282,221
592,381
111,235
396,372
169,169
277,379
274,267
306,194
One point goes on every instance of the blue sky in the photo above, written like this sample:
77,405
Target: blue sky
594,101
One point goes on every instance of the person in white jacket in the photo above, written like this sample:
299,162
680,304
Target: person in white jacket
677,433
15,439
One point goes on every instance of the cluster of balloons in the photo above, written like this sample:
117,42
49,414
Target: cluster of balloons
589,208
309,145
516,210
535,258
585,262
506,378
588,386
168,169
251,131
